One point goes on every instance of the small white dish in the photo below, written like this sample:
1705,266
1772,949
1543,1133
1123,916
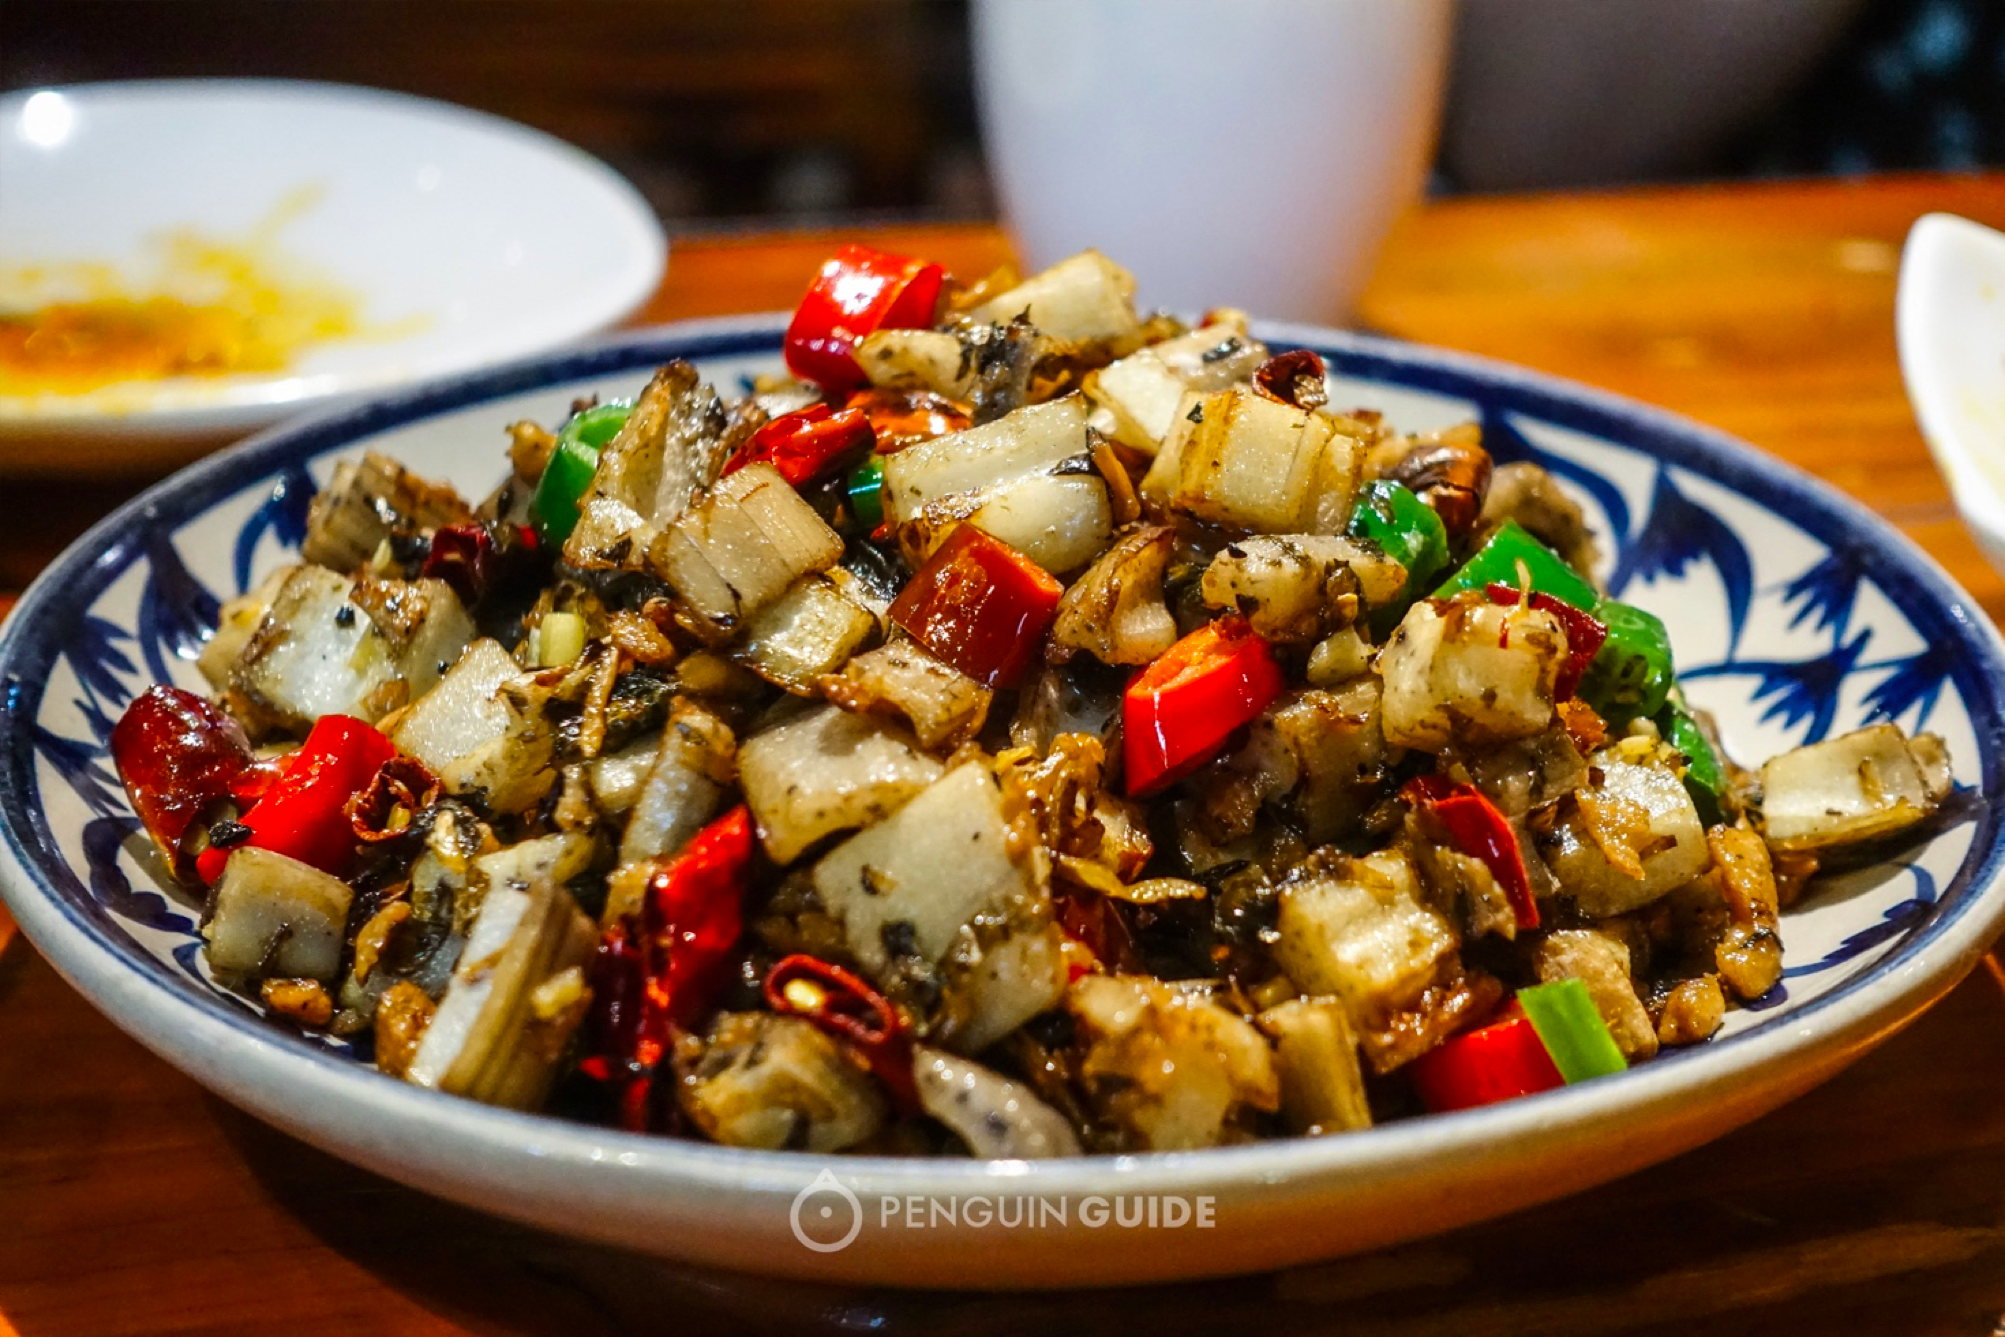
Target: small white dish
1950,320
461,238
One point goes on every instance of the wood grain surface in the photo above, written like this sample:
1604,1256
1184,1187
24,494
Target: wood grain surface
132,1202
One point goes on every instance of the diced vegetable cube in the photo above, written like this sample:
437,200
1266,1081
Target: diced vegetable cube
737,551
778,1083
683,789
1172,1068
824,772
810,631
1242,459
277,917
1626,839
1143,389
903,682
1601,963
463,712
1362,933
1084,299
320,651
1470,673
518,993
1029,441
1316,1052
912,881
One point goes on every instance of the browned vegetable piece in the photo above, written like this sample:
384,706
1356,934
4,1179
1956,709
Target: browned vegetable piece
303,1001
401,1018
1692,1011
1601,963
1322,1086
1451,473
274,916
903,683
760,1080
1170,1068
1357,929
1749,954
364,501
1115,611
1299,587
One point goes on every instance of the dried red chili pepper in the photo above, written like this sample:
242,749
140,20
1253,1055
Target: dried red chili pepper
845,1006
659,970
1584,634
1478,828
807,443
1294,378
463,557
180,758
401,784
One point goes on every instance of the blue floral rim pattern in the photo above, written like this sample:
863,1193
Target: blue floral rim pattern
1668,534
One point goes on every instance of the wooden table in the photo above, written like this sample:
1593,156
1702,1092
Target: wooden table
131,1202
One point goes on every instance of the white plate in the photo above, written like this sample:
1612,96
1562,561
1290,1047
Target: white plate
466,240
1796,615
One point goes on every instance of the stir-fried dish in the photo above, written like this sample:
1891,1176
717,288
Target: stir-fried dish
1028,728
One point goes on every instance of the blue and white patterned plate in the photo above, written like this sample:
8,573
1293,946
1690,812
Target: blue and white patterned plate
1795,613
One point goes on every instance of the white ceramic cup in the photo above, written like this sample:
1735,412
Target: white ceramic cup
1250,153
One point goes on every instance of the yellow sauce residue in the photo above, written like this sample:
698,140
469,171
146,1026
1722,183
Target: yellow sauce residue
214,308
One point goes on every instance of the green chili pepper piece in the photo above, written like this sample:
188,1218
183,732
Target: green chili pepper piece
1633,674
554,508
1705,775
1496,563
866,492
1407,530
1564,1015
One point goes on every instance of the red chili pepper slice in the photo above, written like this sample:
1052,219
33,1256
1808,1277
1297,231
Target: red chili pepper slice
179,757
806,444
1584,633
1500,1061
1477,828
849,1009
1179,711
660,969
304,814
904,417
858,292
980,605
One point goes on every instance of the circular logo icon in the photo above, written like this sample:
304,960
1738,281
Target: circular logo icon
820,1211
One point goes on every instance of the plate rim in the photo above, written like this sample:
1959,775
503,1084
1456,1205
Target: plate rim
263,401
1831,1027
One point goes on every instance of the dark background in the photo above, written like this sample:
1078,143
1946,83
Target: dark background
816,109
